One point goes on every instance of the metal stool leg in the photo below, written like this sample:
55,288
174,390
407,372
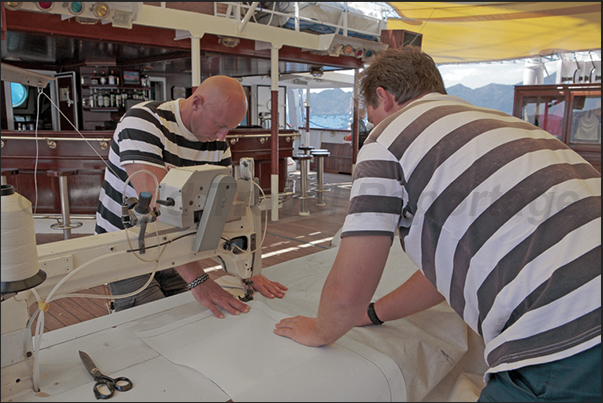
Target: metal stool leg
320,156
64,197
65,207
321,166
304,187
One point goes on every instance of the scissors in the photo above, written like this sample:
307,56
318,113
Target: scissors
105,386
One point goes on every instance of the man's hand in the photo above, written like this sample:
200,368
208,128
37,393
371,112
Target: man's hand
298,329
346,293
212,296
267,288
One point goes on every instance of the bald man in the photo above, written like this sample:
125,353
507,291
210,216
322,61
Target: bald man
156,136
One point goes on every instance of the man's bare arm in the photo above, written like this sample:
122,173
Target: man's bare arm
415,295
209,293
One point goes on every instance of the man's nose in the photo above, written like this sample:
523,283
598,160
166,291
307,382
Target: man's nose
221,134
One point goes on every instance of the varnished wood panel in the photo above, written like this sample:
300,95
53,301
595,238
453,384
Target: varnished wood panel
259,149
340,160
84,188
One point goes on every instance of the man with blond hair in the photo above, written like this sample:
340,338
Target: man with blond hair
502,219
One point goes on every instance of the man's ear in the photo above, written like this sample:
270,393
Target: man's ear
387,98
197,101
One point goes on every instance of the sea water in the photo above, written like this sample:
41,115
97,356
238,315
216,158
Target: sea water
330,121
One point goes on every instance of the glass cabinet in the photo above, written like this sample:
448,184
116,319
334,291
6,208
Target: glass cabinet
570,112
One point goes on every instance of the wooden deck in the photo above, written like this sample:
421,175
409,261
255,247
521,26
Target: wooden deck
291,237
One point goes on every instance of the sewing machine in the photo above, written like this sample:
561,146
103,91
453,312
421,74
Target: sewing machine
205,213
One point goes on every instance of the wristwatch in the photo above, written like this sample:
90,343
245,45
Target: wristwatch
372,315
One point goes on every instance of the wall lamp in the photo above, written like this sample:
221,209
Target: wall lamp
316,71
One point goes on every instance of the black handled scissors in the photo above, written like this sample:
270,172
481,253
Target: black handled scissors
105,386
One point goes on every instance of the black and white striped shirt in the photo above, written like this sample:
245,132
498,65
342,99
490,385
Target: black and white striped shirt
150,133
503,218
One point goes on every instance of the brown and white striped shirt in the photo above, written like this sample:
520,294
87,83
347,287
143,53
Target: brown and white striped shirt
150,133
503,218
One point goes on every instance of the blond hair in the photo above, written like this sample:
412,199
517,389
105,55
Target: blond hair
406,73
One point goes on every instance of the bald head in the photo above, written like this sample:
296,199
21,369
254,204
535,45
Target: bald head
217,105
223,92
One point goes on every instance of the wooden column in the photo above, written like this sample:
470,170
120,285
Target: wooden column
355,123
274,130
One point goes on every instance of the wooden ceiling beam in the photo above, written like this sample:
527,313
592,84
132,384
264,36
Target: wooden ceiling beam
139,35
51,24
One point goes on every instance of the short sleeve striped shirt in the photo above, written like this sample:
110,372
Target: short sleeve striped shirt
150,133
503,218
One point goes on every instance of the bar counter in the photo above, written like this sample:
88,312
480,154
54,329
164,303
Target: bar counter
67,150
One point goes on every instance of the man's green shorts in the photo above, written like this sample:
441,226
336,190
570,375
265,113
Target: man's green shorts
573,379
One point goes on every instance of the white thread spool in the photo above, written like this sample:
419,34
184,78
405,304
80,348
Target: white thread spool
19,254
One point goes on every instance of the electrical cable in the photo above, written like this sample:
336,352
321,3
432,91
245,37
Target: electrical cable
265,221
40,92
120,296
39,314
166,242
26,336
78,132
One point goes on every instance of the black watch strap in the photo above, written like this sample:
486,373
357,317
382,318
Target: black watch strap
372,315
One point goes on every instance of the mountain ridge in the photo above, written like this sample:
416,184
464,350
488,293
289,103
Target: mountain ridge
495,96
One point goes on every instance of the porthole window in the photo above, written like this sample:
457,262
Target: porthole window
18,94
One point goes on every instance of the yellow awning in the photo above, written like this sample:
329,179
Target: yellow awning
460,32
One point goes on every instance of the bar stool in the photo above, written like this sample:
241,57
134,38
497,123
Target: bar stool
320,155
67,225
7,172
304,161
307,150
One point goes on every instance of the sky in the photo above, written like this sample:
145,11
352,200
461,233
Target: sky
509,72
476,75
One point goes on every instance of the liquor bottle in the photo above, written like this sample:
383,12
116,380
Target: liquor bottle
107,99
103,78
118,99
112,99
111,78
94,79
100,100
